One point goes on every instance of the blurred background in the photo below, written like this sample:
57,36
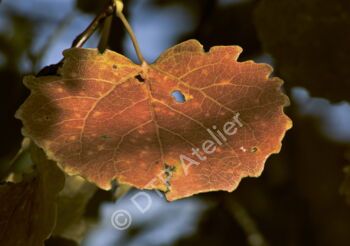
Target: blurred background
303,195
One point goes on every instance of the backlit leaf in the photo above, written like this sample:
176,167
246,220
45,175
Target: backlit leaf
71,204
29,213
105,118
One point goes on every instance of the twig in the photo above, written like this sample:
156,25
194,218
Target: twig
254,236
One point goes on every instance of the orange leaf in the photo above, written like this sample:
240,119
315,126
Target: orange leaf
104,117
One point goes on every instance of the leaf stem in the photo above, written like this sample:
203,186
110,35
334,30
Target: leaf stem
106,31
81,39
121,16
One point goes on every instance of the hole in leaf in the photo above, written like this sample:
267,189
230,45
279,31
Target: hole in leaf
140,78
178,96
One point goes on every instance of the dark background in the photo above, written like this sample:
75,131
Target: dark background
300,199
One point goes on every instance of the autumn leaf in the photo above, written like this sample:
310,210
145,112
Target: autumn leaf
29,213
309,40
71,205
158,126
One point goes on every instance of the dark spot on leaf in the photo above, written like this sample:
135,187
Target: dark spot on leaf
114,66
49,70
178,96
140,78
168,172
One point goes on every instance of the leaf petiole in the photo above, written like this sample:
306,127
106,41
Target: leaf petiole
119,12
80,40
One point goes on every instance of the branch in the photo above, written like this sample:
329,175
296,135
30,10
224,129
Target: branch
254,236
